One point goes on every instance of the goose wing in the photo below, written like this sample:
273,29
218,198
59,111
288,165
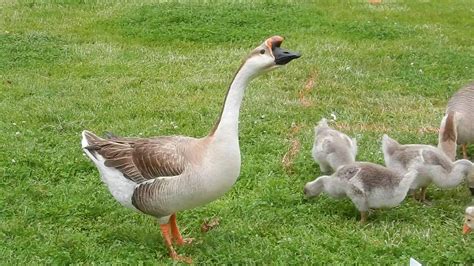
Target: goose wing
349,174
142,159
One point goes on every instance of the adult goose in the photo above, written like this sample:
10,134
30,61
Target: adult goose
432,164
368,185
457,126
163,175
332,148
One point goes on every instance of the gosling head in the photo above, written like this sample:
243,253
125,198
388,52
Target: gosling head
468,220
269,55
314,188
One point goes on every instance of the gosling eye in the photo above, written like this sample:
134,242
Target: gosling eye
262,51
468,220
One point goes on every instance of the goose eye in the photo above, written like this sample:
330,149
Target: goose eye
468,220
262,51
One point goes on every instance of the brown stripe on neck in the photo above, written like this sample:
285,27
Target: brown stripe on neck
216,125
449,132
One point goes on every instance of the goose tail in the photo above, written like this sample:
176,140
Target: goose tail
389,145
89,145
323,123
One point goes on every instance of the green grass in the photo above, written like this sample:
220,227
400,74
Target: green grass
163,68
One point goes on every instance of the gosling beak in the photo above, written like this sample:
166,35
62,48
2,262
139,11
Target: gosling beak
282,56
472,191
466,229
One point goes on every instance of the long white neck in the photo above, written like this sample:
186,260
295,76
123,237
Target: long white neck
455,177
228,124
407,180
333,186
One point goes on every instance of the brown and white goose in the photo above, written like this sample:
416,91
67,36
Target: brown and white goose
432,164
457,126
163,175
368,185
332,148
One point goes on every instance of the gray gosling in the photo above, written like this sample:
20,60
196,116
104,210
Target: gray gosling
367,185
331,148
432,165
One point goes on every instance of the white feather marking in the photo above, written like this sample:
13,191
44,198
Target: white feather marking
120,187
357,182
421,156
470,210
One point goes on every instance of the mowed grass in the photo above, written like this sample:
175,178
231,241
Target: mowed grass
163,69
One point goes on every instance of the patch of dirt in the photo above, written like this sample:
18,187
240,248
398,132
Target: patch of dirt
293,150
209,224
308,87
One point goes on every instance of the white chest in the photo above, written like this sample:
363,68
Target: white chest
215,176
221,171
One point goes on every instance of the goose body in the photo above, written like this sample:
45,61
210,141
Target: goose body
331,148
145,174
457,126
163,175
368,185
432,164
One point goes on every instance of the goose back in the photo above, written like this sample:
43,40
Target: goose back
462,104
332,148
374,186
370,176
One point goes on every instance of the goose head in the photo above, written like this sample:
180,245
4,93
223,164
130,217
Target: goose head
468,220
268,56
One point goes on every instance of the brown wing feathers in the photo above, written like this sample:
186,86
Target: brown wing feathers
145,195
139,159
157,159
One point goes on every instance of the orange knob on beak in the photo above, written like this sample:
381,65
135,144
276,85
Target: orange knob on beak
466,229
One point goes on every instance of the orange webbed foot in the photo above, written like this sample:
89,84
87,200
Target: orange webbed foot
180,258
184,241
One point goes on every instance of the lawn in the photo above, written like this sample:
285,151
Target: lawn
163,67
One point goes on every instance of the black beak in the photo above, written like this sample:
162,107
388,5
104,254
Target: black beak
282,56
472,191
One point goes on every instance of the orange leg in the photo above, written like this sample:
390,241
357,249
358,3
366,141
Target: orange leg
165,230
414,195
363,217
423,194
175,231
464,151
